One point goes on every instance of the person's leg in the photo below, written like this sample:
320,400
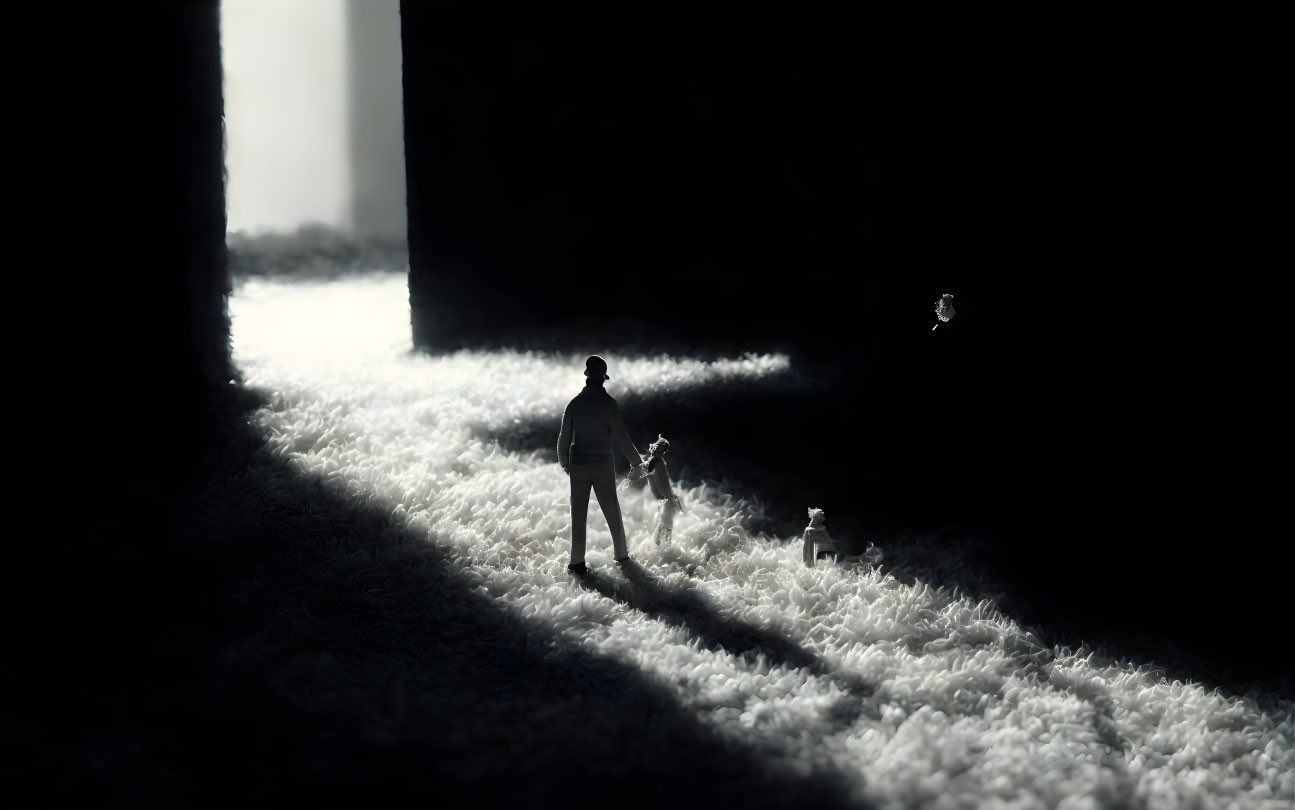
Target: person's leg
580,483
605,489
664,522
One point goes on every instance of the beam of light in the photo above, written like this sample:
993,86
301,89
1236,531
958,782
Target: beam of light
355,332
964,701
286,113
312,326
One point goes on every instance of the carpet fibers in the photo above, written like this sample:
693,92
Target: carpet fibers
435,630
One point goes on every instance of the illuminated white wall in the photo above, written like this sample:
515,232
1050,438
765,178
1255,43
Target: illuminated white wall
286,113
377,117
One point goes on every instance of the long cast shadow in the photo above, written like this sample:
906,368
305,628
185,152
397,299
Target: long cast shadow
687,607
767,439
282,642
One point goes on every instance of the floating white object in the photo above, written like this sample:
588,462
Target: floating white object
943,309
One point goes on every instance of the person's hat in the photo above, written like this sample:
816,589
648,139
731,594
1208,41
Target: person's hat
595,366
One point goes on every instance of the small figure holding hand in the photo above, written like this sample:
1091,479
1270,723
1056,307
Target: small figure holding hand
659,482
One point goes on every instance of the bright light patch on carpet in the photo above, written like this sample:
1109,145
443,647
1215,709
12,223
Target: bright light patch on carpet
922,697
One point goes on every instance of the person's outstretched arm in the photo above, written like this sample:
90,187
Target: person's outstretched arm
564,440
622,437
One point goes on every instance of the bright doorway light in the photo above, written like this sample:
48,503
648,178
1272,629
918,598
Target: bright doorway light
313,115
285,113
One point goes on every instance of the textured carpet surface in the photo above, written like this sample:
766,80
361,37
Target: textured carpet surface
439,625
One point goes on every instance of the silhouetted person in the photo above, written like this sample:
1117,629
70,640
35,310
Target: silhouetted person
589,424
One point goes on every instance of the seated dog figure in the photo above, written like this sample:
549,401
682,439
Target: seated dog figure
817,540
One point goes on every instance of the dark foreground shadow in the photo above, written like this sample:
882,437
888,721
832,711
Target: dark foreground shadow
275,642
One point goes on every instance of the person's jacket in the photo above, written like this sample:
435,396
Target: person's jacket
589,424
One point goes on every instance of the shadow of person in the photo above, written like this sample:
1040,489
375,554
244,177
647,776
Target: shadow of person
712,425
687,607
291,643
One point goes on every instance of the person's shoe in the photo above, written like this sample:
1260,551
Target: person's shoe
578,569
621,561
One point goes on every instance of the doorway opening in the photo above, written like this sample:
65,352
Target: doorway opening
315,166
314,135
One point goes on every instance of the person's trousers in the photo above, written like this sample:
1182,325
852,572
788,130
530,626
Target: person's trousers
601,478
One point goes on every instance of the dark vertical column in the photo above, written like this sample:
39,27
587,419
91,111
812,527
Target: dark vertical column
116,332
668,176
204,277
449,178
116,357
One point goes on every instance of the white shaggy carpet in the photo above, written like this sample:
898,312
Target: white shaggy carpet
909,695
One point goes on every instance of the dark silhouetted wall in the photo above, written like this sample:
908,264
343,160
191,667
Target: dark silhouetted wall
116,325
116,335
116,362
